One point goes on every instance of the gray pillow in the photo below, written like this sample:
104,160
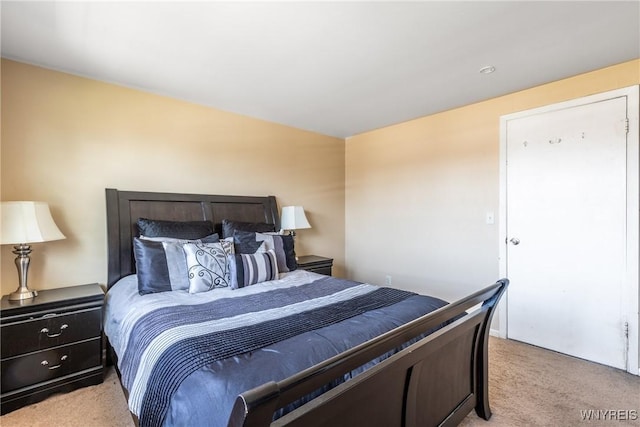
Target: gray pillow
281,244
176,229
160,266
213,238
228,227
245,242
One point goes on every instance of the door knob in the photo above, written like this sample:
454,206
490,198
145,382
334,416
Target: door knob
515,240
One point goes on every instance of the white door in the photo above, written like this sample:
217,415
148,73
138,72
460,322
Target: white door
566,230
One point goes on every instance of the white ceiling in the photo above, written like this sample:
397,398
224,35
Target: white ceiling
337,68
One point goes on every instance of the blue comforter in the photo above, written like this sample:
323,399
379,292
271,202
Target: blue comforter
185,358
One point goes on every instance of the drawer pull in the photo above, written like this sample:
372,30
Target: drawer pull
46,331
62,359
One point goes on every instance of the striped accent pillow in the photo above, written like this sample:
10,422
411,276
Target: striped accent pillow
249,269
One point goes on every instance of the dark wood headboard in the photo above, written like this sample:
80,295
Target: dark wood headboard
125,207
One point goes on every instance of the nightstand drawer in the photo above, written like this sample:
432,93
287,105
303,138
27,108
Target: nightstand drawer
320,270
46,365
50,330
315,263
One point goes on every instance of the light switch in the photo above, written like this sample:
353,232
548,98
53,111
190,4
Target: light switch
490,219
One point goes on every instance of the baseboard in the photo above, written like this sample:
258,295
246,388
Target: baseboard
494,333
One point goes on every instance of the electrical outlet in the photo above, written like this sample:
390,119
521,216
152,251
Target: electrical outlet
387,280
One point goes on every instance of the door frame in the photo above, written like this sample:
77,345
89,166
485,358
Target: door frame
630,291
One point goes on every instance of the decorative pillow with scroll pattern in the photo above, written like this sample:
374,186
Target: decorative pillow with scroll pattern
208,266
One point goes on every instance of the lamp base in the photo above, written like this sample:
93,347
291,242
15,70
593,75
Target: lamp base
22,294
292,233
22,264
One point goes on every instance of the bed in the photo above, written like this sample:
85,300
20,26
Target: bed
301,349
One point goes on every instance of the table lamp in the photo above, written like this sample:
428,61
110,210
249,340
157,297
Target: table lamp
292,219
23,223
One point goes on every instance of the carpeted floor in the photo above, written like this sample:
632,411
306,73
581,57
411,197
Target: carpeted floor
531,386
528,386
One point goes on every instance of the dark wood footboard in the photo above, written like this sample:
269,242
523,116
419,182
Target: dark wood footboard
436,381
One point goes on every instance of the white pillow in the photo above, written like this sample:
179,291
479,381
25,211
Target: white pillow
208,265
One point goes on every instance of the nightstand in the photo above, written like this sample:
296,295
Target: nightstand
52,343
317,264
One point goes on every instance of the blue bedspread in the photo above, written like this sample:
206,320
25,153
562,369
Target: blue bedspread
184,364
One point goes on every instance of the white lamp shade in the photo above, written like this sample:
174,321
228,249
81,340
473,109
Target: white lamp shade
27,222
293,218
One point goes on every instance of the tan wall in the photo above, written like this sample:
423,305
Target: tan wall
65,139
417,193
